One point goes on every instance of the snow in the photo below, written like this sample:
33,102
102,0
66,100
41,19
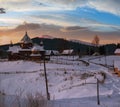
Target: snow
68,78
117,64
37,48
14,49
67,52
99,77
14,66
35,55
47,52
25,49
55,52
117,51
108,60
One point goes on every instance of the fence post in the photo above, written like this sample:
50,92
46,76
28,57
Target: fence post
98,99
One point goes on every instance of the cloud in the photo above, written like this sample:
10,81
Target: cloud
51,18
7,21
72,28
73,32
19,28
27,5
62,18
2,10
27,26
110,6
67,4
15,34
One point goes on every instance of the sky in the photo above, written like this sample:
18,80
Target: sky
68,19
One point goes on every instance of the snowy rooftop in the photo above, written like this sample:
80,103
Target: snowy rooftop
69,51
26,39
117,64
117,51
14,49
25,49
55,52
37,48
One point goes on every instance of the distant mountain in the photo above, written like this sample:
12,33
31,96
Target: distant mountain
46,36
84,48
61,44
82,42
72,40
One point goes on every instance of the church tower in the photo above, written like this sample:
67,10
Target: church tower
26,42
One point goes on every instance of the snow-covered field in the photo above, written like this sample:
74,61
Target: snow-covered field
68,78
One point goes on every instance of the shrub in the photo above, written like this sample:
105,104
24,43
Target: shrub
36,101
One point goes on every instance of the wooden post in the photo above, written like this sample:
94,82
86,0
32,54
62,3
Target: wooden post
89,50
106,56
98,99
105,60
46,81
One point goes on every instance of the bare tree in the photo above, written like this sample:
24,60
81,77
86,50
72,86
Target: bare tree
96,40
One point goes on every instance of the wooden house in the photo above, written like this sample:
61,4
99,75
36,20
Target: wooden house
26,50
117,51
117,67
68,52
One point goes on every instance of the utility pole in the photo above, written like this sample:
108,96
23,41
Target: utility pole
98,99
46,80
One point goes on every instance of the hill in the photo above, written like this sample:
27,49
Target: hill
79,47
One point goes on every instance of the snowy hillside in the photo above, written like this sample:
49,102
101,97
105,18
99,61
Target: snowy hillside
68,78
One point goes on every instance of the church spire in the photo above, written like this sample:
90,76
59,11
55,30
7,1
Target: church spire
26,38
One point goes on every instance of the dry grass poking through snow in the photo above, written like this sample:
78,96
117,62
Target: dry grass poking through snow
31,101
36,101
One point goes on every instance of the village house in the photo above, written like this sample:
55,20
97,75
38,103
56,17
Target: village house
68,52
117,51
117,67
52,52
27,50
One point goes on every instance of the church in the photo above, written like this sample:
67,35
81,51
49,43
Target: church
27,50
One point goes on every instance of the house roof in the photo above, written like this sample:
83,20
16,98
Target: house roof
37,48
117,51
26,39
69,51
14,49
25,49
117,64
55,52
